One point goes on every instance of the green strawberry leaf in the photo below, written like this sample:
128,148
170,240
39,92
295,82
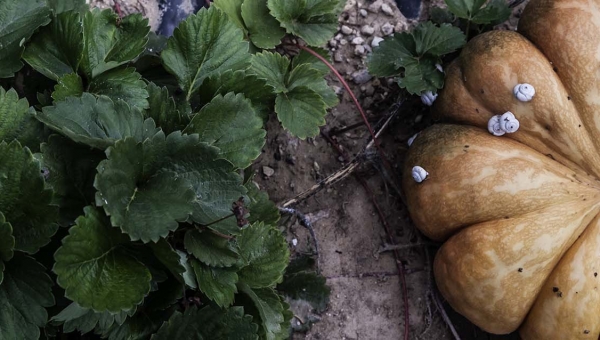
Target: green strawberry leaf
420,76
301,111
17,120
69,85
189,277
306,75
286,325
205,44
25,201
437,40
271,67
306,58
233,9
263,29
440,15
265,304
60,6
140,326
7,244
24,293
74,317
97,122
69,169
121,83
169,257
391,52
165,295
95,270
240,81
314,21
56,50
464,8
108,44
163,110
299,107
230,123
265,254
166,179
218,284
308,286
157,197
261,207
413,56
496,11
18,20
208,323
211,249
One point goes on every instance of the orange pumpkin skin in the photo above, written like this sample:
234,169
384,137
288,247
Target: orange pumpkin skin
518,213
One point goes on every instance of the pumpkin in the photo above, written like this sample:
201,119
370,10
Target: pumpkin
518,214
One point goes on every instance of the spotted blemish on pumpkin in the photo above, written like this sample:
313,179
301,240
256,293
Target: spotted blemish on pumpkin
568,97
520,270
585,331
555,289
595,274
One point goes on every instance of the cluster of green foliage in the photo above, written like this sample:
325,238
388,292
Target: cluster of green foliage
122,156
413,57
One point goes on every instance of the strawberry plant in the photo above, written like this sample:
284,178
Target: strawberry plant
123,208
414,58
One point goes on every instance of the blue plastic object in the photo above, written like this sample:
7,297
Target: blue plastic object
409,8
174,12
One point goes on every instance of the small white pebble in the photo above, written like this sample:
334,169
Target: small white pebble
358,41
385,8
359,50
295,242
376,41
346,30
363,12
367,30
387,29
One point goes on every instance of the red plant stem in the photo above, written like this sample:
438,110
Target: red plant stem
388,231
347,87
118,9
386,162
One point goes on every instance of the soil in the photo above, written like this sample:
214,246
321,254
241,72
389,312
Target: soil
366,290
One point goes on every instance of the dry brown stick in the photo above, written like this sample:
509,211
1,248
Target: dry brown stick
390,247
435,297
445,316
344,172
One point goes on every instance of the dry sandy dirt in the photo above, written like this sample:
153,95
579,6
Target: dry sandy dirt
366,291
